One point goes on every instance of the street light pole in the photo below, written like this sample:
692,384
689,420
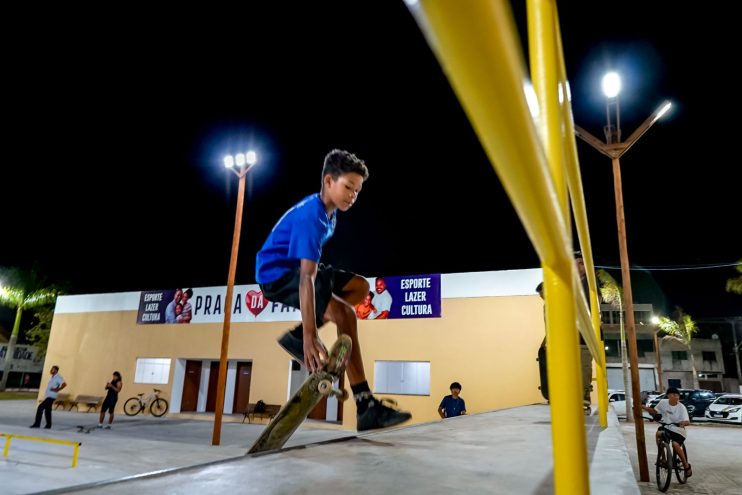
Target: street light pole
613,148
245,163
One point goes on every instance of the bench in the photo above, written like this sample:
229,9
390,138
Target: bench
92,401
61,400
270,411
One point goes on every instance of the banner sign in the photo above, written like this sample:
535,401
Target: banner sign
25,358
206,305
415,296
412,296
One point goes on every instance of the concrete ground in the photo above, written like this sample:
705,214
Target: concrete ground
506,451
134,446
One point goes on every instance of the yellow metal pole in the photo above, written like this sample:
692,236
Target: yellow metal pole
8,437
477,46
577,196
562,350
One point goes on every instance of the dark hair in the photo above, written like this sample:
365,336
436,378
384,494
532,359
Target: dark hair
455,385
540,287
189,292
578,254
339,162
672,390
116,373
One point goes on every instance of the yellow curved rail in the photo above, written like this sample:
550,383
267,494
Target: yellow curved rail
9,437
534,155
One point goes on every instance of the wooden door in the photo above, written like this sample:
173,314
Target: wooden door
191,384
213,381
242,387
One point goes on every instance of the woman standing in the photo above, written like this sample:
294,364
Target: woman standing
109,403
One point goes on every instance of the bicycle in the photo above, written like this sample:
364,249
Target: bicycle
157,405
668,460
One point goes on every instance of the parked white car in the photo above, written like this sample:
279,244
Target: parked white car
617,399
727,408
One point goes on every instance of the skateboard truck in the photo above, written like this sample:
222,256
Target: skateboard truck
318,385
325,388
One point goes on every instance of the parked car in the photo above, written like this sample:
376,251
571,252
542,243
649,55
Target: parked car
695,400
649,395
617,398
727,408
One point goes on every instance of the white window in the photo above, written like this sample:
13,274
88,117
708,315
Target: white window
402,377
152,370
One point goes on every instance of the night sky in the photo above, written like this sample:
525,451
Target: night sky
115,132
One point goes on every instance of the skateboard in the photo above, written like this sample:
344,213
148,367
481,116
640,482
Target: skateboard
542,372
295,411
86,428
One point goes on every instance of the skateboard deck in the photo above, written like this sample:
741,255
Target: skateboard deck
295,411
542,372
86,428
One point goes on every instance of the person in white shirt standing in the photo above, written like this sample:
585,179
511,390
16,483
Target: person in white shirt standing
673,411
56,383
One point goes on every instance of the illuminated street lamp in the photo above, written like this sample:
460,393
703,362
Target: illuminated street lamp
614,149
240,164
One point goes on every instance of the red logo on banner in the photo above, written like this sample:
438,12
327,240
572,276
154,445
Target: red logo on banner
255,302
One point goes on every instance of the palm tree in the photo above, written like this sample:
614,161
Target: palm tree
612,294
734,285
21,290
682,330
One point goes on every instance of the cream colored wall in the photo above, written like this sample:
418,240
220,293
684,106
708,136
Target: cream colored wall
487,344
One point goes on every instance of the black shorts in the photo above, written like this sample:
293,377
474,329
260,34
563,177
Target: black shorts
328,281
676,437
109,404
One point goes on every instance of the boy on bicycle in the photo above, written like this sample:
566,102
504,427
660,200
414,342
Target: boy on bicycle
673,411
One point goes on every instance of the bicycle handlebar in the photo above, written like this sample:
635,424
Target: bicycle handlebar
657,418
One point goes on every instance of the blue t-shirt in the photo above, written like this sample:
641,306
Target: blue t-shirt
299,234
453,407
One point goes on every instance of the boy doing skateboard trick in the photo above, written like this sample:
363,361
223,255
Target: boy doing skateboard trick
288,271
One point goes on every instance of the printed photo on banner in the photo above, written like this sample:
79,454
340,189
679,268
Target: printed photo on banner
412,296
208,305
165,306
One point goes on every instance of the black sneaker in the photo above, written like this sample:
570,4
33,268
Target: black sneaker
34,426
379,415
293,346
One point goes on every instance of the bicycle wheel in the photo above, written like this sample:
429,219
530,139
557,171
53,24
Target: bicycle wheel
158,407
132,406
664,466
679,471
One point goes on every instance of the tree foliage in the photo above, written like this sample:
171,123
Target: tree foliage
611,292
734,285
682,329
22,290
38,335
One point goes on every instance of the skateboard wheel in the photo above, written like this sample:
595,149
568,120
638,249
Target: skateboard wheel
344,395
324,387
